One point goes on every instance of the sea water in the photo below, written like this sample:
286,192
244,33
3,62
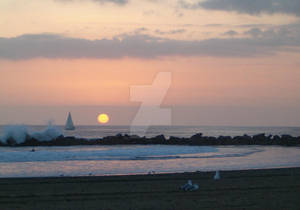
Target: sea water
140,159
144,159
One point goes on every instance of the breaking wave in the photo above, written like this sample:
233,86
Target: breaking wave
19,133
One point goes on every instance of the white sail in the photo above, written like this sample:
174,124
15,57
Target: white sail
69,124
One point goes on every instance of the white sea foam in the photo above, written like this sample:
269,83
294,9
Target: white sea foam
50,133
19,133
16,132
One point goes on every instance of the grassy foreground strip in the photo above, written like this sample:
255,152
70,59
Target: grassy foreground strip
250,189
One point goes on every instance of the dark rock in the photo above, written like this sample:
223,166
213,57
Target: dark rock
11,142
197,139
160,138
259,139
134,137
288,140
225,140
197,136
119,135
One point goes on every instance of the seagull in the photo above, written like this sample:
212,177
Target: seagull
217,175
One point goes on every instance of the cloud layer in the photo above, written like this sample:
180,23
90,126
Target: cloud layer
119,2
256,42
252,7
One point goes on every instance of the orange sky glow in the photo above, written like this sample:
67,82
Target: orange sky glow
269,77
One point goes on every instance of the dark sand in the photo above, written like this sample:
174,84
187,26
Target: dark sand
253,189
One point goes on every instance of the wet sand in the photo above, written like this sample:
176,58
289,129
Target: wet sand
251,189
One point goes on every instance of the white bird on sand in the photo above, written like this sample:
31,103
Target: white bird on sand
217,175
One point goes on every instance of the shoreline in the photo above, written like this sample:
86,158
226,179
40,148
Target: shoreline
241,189
155,174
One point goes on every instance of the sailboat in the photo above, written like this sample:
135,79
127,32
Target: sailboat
69,124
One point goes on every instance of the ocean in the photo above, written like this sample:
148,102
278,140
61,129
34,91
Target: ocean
140,159
145,159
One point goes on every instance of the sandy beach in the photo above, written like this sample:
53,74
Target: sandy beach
251,189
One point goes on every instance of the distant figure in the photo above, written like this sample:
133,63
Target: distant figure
217,175
69,124
151,172
195,187
33,150
189,186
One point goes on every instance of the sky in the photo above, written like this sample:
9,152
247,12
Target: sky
232,62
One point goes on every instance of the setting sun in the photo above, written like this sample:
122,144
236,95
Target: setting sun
103,118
